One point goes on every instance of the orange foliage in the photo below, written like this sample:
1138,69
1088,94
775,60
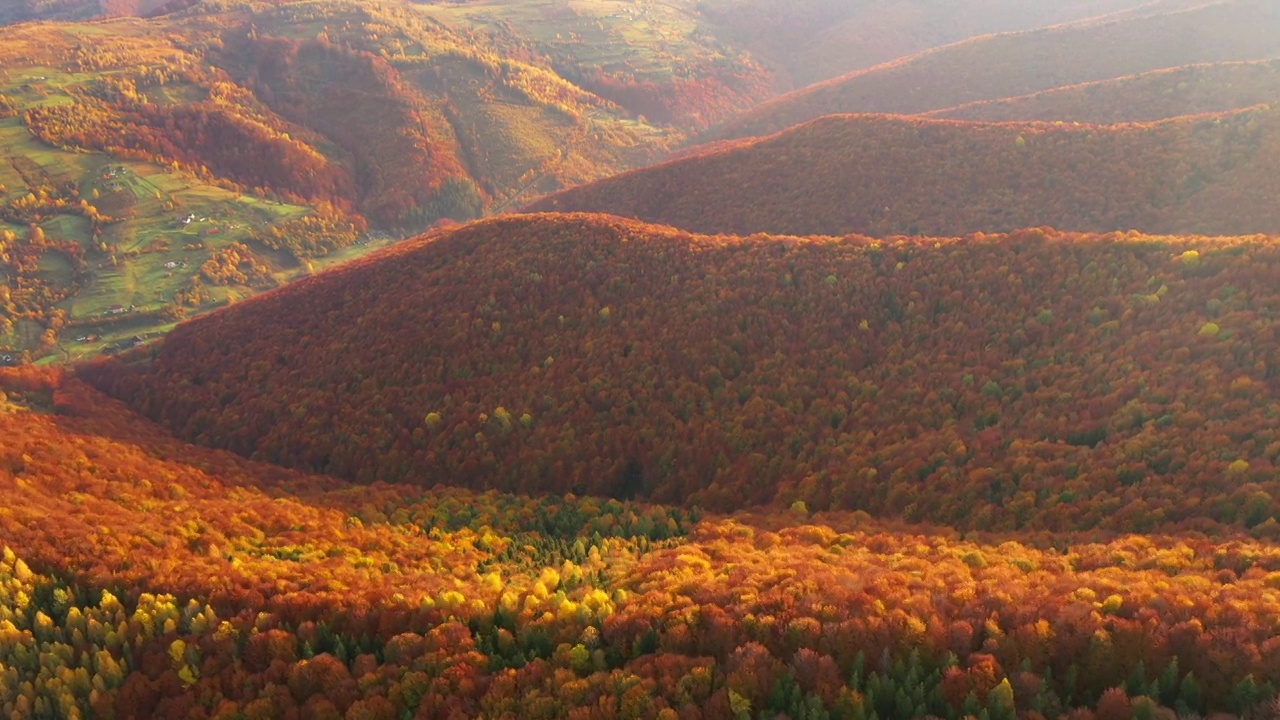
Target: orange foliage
1032,380
235,264
211,139
359,101
885,175
242,588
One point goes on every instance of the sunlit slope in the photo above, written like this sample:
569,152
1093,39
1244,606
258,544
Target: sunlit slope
104,496
141,576
465,121
589,354
134,181
1147,97
885,175
659,60
1017,64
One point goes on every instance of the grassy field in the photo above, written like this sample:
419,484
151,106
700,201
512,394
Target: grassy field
159,254
151,253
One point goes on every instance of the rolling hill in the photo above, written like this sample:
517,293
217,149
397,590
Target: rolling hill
1146,97
1161,35
885,175
606,357
144,577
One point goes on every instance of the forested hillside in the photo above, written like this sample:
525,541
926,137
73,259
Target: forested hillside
143,577
885,175
956,407
154,169
1146,97
1163,35
1071,381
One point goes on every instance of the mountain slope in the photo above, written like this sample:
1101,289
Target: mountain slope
885,175
1016,64
814,40
258,141
607,357
146,577
1147,97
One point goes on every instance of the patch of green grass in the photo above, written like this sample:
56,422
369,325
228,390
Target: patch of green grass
106,28
348,254
71,228
41,86
151,237
55,269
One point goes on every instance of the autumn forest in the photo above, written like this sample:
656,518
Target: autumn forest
603,360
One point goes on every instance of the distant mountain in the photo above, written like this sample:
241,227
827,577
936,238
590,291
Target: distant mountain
886,175
731,53
16,11
809,41
945,380
1017,64
1157,95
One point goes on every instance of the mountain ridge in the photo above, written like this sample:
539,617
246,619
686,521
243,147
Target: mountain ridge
1016,64
1164,94
913,175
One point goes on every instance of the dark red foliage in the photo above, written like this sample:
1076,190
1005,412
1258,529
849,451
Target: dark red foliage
1036,380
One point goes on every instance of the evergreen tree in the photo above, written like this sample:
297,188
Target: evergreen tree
1168,684
1190,695
1137,683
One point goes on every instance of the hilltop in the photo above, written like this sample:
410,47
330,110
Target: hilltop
1146,97
145,577
1160,35
885,175
606,357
